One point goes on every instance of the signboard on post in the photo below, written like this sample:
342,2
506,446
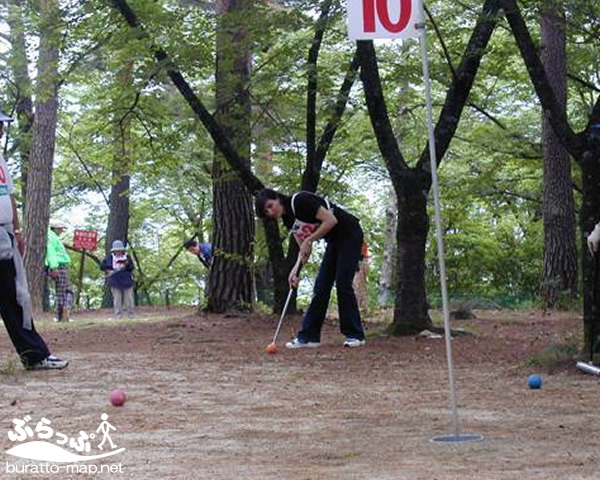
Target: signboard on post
369,19
85,240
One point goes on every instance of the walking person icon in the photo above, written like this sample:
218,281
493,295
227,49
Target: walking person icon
105,427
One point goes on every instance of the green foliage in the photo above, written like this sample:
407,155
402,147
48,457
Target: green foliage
491,177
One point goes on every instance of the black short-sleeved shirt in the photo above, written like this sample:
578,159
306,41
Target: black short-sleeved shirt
303,219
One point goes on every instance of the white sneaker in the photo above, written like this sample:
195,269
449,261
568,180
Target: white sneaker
49,363
354,342
298,343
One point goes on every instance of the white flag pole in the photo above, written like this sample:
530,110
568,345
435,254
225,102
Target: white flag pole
368,20
456,436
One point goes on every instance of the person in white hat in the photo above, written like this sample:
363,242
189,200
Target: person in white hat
118,268
15,303
57,263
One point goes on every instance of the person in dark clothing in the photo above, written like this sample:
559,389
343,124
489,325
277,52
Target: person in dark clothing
118,268
15,303
311,217
202,250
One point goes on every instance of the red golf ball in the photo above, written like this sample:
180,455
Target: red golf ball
117,397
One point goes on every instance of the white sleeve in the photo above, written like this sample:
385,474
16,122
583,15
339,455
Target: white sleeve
5,178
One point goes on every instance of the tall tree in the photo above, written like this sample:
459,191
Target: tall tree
230,285
559,275
584,147
39,179
23,85
412,184
118,217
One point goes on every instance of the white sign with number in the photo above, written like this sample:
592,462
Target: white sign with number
369,19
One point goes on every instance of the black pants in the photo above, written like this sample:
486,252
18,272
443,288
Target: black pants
29,344
338,266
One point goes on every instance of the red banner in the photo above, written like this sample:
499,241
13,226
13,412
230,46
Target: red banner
85,240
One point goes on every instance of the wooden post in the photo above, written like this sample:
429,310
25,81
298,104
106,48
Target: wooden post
80,279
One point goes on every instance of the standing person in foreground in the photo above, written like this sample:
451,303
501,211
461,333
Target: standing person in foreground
118,268
57,263
15,304
593,242
310,218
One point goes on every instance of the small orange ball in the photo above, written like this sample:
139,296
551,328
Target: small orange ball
271,348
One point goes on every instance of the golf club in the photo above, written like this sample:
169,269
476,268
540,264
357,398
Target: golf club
285,307
588,368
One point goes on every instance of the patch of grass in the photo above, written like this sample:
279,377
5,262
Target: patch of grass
437,318
10,369
378,332
382,315
262,308
554,356
103,319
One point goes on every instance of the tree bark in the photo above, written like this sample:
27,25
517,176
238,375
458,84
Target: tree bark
118,216
230,285
24,107
39,181
559,274
312,89
411,306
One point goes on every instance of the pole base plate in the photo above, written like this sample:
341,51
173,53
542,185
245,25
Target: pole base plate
462,438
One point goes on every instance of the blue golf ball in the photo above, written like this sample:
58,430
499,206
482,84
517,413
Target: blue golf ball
534,381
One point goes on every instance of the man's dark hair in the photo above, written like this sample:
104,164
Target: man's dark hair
267,194
190,243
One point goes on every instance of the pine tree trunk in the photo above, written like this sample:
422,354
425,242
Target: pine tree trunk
118,216
559,276
411,308
230,286
39,181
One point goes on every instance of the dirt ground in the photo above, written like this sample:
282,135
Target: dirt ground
206,402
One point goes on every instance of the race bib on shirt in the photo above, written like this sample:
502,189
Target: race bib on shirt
301,230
